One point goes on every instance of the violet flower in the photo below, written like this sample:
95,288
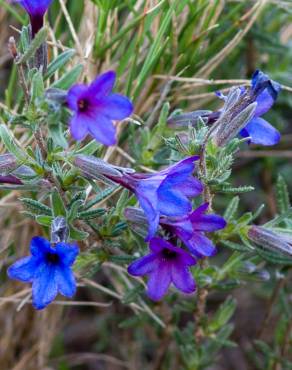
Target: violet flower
165,264
95,107
164,193
48,269
191,230
36,10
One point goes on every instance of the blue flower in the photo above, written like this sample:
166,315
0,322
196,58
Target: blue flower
36,10
191,230
48,269
164,193
165,264
95,107
264,91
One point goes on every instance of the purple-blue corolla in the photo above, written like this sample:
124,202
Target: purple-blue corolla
164,265
95,108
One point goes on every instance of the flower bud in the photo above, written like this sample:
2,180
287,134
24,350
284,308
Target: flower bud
135,215
187,119
59,230
271,240
8,163
230,129
94,167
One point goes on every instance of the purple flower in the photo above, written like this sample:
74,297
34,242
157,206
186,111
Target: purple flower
36,10
165,264
164,193
191,230
95,107
264,91
48,269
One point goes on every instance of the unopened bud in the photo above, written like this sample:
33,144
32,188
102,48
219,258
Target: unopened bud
187,119
94,167
59,230
135,215
228,130
271,240
8,163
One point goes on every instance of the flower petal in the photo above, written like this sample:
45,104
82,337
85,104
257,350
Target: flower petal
79,126
144,265
35,7
159,281
182,278
191,187
209,222
200,245
76,93
172,203
24,269
66,281
116,107
261,132
265,102
39,246
44,286
102,85
67,253
102,129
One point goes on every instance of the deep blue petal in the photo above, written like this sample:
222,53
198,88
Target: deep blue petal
67,253
39,246
24,269
261,132
44,286
65,281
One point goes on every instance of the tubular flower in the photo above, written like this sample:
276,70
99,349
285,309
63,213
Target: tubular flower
95,107
48,269
191,230
164,193
36,10
165,264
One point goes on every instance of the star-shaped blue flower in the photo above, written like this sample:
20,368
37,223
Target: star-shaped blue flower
48,269
165,264
36,10
95,107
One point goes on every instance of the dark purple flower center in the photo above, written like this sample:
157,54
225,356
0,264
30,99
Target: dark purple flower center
52,258
168,254
83,105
